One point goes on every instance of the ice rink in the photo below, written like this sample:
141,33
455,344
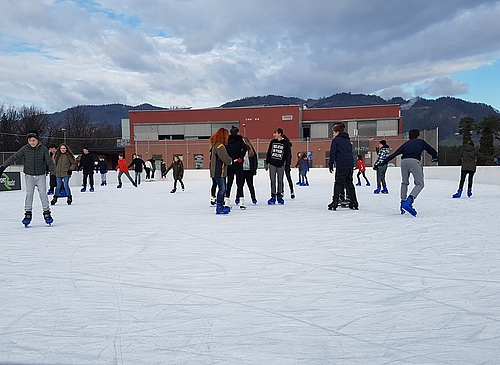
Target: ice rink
142,276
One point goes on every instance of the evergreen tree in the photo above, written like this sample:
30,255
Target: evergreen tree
465,129
489,129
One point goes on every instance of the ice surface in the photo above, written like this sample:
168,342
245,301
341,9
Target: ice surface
142,276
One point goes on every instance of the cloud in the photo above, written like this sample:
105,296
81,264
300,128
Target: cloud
199,53
445,86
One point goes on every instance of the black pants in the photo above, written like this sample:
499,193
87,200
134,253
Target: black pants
90,175
248,178
235,170
175,183
462,179
289,179
343,180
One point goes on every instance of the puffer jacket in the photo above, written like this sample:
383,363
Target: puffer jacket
469,156
177,170
36,159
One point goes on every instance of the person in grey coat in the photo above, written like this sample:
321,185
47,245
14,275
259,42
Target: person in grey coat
468,155
36,162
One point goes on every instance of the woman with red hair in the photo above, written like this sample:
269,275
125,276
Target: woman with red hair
219,160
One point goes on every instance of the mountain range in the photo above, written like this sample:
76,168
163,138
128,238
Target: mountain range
419,113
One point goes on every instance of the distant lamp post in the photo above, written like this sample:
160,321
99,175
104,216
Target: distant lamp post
64,133
244,129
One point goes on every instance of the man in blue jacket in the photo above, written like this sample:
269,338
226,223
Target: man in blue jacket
411,152
341,155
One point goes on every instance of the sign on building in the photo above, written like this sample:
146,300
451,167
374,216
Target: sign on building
10,181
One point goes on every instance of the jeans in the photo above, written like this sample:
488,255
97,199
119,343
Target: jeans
221,183
60,182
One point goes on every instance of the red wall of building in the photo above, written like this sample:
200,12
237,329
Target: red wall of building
351,113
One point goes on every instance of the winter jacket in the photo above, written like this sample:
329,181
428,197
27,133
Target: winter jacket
288,161
412,148
236,147
102,166
64,163
361,166
341,152
250,163
277,153
122,165
138,164
177,170
382,154
304,164
87,162
36,159
219,160
469,156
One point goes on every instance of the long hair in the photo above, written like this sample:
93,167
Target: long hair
221,136
251,150
68,152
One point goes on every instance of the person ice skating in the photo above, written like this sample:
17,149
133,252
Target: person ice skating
65,164
250,163
87,164
219,160
177,168
277,155
297,166
148,169
468,156
122,168
163,167
342,157
36,162
102,168
288,166
236,149
137,163
383,151
153,168
411,152
304,169
53,179
361,170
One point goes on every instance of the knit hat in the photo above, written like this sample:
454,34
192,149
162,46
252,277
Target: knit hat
33,134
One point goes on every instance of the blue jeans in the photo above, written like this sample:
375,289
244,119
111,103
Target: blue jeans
221,183
60,182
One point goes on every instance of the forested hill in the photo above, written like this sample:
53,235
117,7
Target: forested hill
420,113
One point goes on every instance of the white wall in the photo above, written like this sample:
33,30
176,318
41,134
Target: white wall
484,174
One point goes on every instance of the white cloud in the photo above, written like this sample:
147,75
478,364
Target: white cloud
217,51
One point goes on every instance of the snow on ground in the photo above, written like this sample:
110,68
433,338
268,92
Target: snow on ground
142,276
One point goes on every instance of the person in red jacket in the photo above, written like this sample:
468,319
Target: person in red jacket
122,168
361,170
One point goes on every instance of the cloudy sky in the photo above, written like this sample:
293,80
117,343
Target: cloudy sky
56,54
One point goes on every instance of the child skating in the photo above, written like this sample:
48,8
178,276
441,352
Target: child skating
361,171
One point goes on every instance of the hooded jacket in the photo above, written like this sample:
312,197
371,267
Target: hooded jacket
36,159
469,158
219,161
66,162
177,170
341,152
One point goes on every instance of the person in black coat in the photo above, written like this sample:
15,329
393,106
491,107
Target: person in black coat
341,155
137,163
87,163
236,149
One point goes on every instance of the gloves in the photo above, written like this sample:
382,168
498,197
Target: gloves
70,172
375,167
330,169
2,169
239,160
435,159
266,166
495,160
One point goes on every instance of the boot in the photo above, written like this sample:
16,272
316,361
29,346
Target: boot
221,209
377,190
272,201
47,217
173,190
84,189
384,190
227,202
213,200
469,192
27,218
458,194
280,199
54,200
367,183
242,203
359,183
332,206
69,200
407,205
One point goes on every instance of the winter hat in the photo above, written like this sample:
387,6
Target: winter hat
33,134
383,142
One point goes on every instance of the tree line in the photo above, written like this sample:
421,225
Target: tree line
488,130
77,129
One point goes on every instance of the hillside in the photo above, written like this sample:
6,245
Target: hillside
419,113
